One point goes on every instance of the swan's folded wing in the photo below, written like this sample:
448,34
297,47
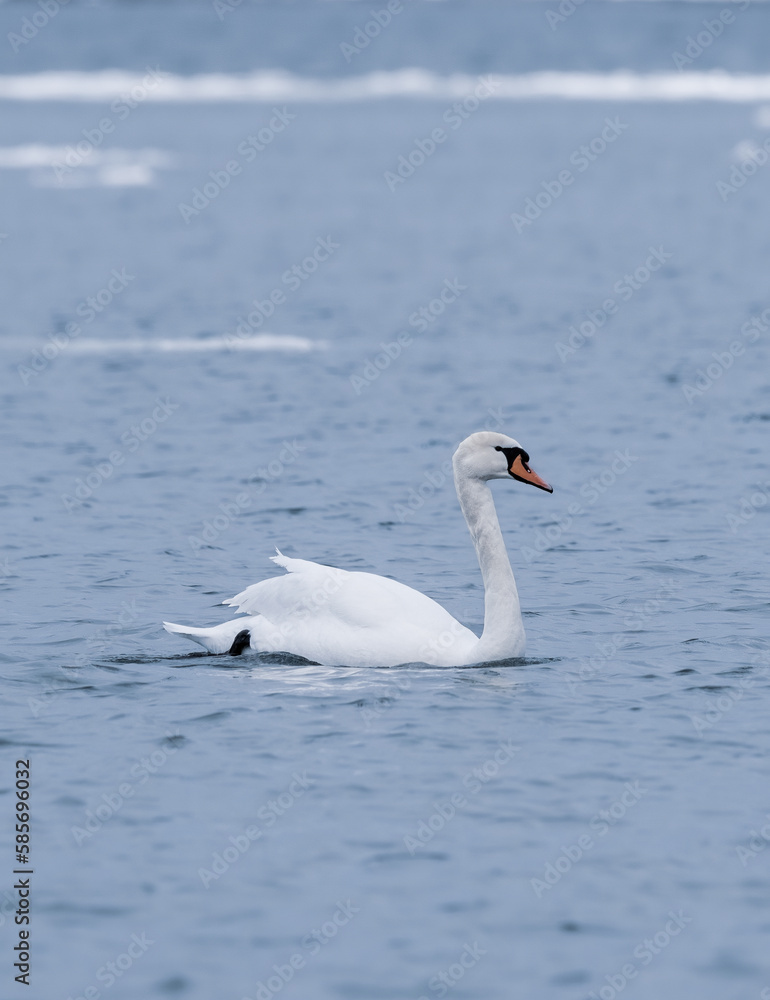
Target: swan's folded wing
306,588
310,591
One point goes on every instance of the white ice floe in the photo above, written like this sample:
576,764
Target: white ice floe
278,85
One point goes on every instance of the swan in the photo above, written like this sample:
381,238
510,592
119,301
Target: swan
337,617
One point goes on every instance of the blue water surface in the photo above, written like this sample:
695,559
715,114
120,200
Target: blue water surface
585,822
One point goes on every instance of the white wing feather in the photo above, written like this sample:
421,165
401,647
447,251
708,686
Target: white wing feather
336,616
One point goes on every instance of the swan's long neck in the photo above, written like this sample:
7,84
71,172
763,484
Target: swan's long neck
503,628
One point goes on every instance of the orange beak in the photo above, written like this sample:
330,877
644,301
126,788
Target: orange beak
521,471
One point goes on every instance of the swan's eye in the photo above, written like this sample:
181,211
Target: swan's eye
498,448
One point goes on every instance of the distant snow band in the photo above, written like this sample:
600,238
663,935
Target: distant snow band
278,85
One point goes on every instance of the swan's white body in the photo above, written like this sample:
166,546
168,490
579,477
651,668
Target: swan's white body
333,616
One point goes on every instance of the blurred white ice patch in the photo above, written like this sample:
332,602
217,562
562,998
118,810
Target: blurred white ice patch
71,167
194,345
747,149
276,85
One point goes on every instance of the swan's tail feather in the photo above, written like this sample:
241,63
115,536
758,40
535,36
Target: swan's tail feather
218,639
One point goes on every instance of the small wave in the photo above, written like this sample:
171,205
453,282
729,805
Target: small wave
279,85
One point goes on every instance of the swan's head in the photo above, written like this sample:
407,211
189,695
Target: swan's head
489,455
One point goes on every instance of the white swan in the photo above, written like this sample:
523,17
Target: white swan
333,616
